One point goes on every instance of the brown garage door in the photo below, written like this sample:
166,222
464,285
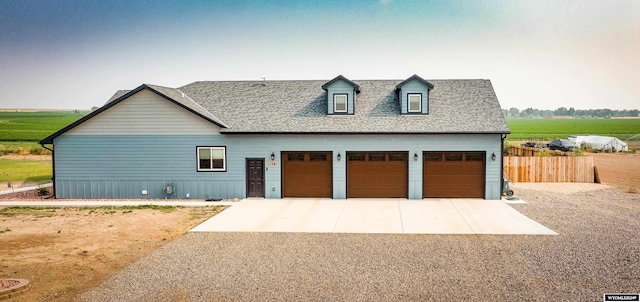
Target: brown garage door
377,174
453,175
307,174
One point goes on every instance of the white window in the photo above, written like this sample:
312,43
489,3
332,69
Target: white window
212,159
415,102
339,103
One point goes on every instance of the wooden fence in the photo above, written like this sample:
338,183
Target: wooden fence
522,151
549,169
529,151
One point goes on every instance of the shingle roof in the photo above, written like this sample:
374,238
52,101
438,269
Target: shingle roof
455,106
185,101
117,95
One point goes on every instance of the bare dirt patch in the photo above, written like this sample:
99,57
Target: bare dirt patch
621,170
65,251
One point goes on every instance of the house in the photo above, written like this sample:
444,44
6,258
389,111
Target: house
338,139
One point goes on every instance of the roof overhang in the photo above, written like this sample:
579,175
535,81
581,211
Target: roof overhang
356,87
417,78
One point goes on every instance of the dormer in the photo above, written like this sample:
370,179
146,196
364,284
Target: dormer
341,96
413,94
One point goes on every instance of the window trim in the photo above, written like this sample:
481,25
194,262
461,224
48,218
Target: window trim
211,148
419,110
346,103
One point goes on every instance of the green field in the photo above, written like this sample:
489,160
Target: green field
548,129
34,126
24,170
21,131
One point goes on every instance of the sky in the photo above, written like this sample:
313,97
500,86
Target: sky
542,54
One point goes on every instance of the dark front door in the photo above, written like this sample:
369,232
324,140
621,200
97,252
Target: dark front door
255,177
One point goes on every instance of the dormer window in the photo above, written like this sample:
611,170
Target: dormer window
341,96
413,95
340,103
415,102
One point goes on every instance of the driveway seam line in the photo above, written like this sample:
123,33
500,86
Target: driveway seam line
339,216
400,214
462,216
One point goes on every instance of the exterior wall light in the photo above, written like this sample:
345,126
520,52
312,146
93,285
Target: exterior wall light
493,156
415,156
338,156
273,156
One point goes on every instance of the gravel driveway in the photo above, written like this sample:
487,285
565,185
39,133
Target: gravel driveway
597,251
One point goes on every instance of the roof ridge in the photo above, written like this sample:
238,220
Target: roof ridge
200,106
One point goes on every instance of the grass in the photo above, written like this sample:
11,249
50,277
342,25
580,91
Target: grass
165,209
31,211
22,148
25,170
34,126
548,129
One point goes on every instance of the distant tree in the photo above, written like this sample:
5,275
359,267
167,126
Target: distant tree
94,108
560,111
527,112
514,112
563,111
602,112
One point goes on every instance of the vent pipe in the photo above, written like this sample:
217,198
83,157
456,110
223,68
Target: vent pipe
264,80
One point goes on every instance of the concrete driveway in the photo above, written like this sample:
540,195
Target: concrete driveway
391,216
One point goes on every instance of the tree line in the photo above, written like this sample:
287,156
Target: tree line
563,111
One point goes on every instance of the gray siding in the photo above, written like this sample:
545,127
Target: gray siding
145,113
341,87
414,86
121,166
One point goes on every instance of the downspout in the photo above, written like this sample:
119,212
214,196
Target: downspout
53,170
502,164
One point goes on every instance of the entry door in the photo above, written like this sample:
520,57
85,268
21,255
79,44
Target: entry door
255,177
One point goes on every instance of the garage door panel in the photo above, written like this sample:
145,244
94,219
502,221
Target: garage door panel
307,174
453,175
453,191
377,175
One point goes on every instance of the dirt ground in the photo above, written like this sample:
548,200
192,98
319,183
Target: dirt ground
620,170
65,251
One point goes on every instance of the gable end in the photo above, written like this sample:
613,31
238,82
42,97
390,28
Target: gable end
49,139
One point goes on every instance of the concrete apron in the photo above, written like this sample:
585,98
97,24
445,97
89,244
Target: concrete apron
390,216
